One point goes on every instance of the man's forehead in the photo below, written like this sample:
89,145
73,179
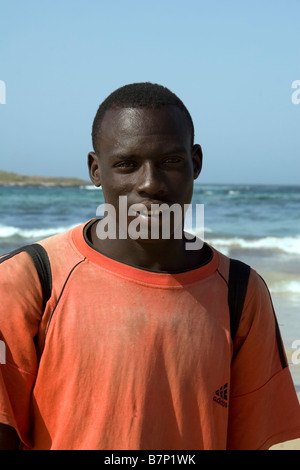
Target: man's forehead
126,121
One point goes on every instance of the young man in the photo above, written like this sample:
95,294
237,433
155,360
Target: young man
133,349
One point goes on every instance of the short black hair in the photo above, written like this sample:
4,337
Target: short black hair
139,95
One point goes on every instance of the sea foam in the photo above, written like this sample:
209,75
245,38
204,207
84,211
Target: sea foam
7,232
289,245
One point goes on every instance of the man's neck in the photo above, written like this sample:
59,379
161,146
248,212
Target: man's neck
155,255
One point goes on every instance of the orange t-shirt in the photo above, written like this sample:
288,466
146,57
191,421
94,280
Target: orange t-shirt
127,358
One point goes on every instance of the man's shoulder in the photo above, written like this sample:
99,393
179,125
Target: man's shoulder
256,281
59,241
59,248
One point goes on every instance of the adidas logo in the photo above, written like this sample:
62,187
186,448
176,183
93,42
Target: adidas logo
221,396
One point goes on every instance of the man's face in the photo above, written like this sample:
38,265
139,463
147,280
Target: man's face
146,155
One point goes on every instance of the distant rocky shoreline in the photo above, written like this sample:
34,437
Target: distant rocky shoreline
14,179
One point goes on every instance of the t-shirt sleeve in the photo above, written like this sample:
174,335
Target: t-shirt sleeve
20,314
264,409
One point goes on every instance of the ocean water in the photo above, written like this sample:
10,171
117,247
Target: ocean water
254,223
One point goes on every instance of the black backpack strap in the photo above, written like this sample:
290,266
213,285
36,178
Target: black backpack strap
42,264
237,288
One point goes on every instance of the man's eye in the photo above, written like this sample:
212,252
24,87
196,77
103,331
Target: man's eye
172,160
125,164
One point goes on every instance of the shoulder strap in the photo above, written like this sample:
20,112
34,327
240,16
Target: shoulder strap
42,264
237,288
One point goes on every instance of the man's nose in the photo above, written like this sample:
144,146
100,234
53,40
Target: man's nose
151,181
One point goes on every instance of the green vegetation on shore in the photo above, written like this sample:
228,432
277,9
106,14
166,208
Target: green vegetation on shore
14,179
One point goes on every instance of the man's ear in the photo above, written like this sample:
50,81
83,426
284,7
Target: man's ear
94,170
197,157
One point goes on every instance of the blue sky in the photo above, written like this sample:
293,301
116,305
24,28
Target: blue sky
231,62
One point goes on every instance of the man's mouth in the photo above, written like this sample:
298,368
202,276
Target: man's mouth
153,208
151,212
